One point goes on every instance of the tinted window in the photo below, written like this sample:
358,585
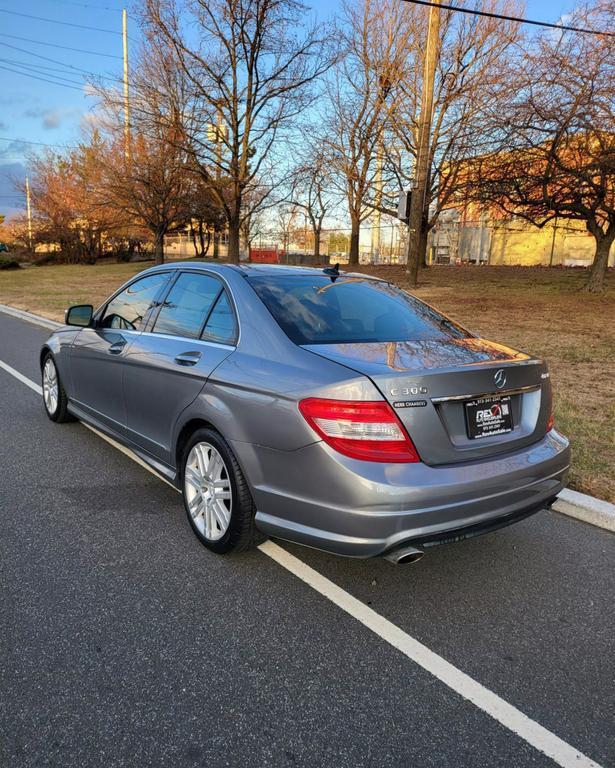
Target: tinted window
127,311
316,310
187,305
221,325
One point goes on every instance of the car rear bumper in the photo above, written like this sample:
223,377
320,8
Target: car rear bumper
317,497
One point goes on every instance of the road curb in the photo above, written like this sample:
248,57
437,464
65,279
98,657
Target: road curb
21,314
586,508
571,503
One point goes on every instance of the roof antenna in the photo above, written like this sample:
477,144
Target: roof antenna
333,272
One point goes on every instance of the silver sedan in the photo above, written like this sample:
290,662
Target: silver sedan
330,409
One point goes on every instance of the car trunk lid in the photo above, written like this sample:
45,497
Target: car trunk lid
437,387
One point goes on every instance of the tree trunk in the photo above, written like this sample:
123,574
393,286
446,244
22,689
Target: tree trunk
316,245
159,245
234,233
194,243
355,231
595,282
202,238
206,243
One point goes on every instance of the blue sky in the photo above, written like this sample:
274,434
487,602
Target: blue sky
50,112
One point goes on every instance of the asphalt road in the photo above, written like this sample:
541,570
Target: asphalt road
123,642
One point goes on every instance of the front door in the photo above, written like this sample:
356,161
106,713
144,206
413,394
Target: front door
98,353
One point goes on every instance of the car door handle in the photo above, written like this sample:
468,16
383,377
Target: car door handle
117,347
188,358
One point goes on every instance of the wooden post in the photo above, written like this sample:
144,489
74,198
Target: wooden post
422,167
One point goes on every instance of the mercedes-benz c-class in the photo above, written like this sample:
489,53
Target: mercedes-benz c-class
326,408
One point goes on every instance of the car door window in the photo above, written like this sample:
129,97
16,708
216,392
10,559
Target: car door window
187,305
128,310
221,325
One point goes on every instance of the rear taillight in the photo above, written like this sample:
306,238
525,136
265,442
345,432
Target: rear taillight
550,421
362,430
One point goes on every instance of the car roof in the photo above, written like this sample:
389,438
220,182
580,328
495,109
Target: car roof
253,269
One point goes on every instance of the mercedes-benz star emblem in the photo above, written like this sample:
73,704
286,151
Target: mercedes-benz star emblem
500,378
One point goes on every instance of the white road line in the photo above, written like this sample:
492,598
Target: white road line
510,717
20,377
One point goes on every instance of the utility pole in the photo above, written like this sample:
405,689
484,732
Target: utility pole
126,106
29,212
377,216
218,139
422,167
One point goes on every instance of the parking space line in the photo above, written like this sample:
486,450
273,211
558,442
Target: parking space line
562,753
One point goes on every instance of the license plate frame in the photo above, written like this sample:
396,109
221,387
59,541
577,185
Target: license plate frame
488,416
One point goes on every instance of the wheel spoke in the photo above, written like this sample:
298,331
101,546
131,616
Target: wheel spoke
222,514
193,478
195,504
215,466
210,522
202,459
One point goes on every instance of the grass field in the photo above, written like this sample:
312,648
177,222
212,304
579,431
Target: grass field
538,310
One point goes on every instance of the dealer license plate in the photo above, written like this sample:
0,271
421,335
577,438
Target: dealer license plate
487,416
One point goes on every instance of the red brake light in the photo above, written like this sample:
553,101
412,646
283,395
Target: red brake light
367,430
550,421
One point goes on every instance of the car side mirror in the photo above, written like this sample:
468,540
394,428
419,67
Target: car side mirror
80,314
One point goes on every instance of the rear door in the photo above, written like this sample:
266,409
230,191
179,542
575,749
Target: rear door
167,366
98,353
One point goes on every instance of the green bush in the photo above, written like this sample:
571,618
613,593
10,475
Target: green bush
7,262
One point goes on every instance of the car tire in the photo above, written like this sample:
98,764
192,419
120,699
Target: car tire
54,395
216,496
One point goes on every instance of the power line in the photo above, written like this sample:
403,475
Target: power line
38,69
95,7
64,47
37,143
64,23
503,17
43,79
89,5
56,61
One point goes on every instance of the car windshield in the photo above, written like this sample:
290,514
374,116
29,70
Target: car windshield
314,309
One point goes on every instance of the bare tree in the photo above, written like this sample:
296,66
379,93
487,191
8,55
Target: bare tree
149,180
249,73
557,153
472,81
311,190
362,95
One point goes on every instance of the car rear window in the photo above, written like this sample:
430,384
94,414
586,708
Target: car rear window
317,310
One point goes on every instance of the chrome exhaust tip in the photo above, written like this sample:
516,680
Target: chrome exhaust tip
404,555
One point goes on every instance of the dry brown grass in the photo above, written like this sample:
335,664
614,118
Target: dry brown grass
538,310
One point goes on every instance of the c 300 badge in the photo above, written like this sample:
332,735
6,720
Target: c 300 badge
404,391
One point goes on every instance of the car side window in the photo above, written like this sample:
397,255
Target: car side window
185,309
128,310
221,325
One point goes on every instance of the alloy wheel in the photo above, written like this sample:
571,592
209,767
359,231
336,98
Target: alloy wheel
207,488
50,386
